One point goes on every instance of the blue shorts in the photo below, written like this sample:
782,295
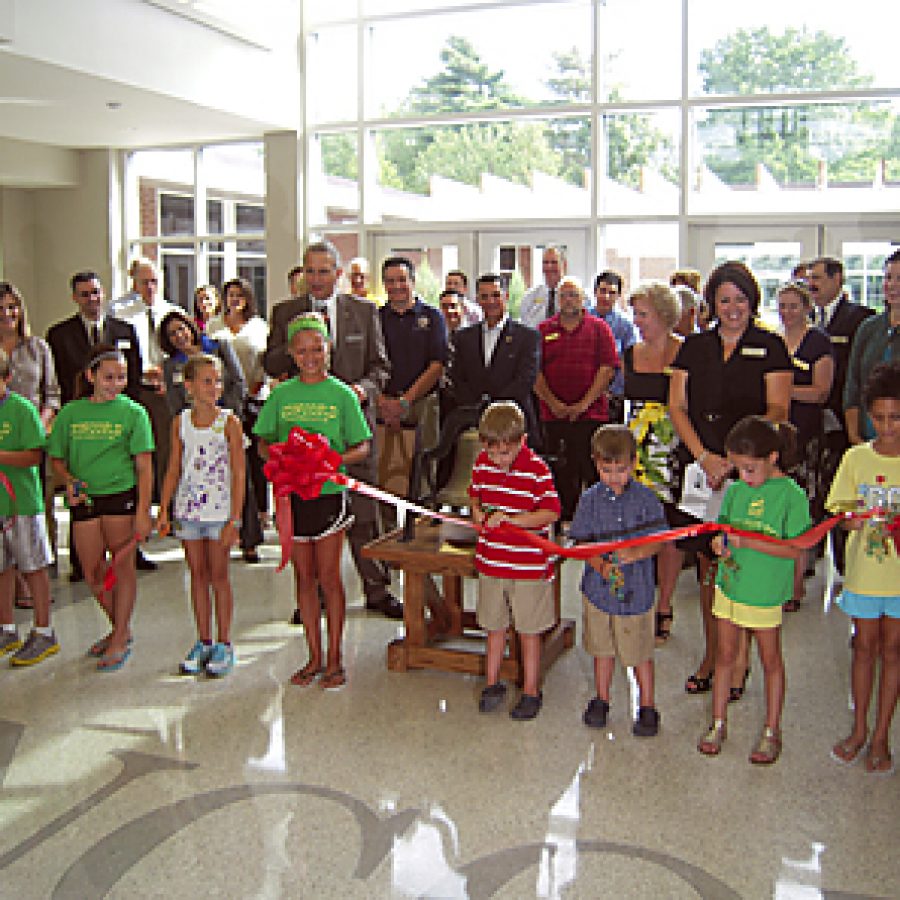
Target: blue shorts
869,606
199,531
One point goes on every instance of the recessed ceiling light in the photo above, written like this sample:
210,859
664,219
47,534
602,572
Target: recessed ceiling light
113,104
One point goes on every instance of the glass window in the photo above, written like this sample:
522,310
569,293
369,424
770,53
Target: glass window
334,100
770,261
809,158
640,252
528,169
333,196
637,62
235,169
176,214
805,45
499,58
642,150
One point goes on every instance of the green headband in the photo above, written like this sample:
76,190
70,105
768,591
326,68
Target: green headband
307,323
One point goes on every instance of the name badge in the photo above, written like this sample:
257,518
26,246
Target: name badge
178,377
667,370
840,339
353,338
800,364
753,351
553,336
123,344
423,323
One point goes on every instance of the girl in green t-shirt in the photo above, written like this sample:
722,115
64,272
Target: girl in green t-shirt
101,448
319,404
755,577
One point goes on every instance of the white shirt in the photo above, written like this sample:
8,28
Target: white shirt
828,311
490,336
249,346
327,307
132,309
534,305
89,325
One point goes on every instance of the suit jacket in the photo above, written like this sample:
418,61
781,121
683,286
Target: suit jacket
71,348
842,329
358,357
509,376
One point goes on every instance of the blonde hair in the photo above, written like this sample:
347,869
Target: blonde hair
800,289
574,282
197,362
501,422
661,298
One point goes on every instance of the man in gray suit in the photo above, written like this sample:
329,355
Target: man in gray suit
359,359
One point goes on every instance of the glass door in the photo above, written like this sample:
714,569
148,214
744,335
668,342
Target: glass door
863,249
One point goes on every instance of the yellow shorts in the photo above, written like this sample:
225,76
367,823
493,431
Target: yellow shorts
745,615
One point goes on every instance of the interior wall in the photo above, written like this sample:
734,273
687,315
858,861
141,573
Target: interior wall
72,231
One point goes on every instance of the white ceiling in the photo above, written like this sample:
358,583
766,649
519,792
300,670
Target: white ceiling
53,105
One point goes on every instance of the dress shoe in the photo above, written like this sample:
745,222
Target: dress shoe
296,618
76,576
251,556
387,604
143,564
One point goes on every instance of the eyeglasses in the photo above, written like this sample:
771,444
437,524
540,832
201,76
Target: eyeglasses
9,310
86,294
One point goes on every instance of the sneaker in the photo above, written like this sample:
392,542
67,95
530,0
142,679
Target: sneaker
9,642
36,649
647,722
596,712
195,661
220,661
528,707
492,697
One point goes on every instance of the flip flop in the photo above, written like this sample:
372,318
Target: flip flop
98,648
305,676
333,679
113,661
874,760
845,752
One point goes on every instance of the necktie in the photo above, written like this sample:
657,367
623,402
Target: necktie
95,335
551,302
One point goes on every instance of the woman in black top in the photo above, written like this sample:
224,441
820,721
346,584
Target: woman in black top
647,366
735,369
812,357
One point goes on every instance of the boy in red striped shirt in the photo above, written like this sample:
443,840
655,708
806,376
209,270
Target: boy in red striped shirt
511,484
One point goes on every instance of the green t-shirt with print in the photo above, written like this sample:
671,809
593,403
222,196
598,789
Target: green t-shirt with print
99,440
21,429
778,508
327,407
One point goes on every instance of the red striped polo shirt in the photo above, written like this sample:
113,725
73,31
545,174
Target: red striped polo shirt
526,487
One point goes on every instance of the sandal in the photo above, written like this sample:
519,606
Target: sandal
112,662
735,693
697,685
333,679
306,676
711,742
879,763
768,747
846,751
663,626
792,605
24,603
98,648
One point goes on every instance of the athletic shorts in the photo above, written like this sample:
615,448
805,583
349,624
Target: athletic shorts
320,517
869,606
122,504
24,543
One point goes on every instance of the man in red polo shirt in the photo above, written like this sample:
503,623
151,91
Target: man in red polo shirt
578,361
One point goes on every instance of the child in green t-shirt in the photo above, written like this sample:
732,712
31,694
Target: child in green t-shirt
23,529
101,447
755,577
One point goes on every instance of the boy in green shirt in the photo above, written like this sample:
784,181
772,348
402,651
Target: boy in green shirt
23,530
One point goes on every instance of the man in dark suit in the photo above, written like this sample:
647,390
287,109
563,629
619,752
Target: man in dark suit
71,341
497,359
839,317
359,359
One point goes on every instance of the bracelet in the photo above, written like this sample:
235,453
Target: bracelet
404,404
702,456
236,523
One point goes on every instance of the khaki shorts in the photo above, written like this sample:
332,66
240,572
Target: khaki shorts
24,544
526,604
631,638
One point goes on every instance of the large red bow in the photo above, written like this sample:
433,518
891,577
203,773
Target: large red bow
301,465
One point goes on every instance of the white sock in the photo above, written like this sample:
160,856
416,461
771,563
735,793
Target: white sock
44,632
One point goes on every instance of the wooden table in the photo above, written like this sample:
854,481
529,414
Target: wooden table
422,647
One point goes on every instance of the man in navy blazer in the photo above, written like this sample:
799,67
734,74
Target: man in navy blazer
497,359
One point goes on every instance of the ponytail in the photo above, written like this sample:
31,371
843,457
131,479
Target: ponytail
757,437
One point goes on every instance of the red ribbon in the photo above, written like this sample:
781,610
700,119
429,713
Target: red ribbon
301,465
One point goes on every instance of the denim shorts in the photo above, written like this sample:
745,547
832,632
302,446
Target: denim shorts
869,606
199,531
